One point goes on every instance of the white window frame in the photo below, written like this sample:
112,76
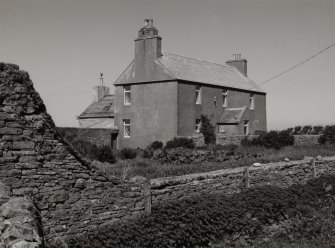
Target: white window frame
197,125
221,128
224,98
252,101
126,128
127,95
198,94
246,127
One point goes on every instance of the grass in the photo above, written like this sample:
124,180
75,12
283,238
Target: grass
153,169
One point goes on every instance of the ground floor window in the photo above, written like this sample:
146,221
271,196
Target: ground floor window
246,127
221,128
197,125
126,128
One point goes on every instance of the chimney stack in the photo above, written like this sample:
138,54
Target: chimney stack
100,91
239,63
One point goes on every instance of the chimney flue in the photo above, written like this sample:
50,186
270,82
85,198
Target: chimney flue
239,63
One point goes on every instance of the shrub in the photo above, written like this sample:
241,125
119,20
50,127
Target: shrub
180,142
306,129
272,139
127,153
105,154
318,130
156,145
297,130
328,136
207,129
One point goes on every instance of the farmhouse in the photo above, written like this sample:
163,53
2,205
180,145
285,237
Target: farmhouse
162,95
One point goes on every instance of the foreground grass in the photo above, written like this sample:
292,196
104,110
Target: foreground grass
301,215
153,169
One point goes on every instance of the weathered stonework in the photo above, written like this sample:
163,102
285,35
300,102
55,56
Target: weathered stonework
70,195
230,181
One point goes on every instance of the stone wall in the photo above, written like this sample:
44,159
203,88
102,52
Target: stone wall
97,136
306,140
19,225
229,181
70,195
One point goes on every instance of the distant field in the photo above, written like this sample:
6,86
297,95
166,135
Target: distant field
243,156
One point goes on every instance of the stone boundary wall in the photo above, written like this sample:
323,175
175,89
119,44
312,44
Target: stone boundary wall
97,136
306,140
70,195
229,181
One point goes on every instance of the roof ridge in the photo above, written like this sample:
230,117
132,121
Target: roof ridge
206,61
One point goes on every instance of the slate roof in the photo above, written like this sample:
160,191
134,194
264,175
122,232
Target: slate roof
196,70
178,67
101,109
232,115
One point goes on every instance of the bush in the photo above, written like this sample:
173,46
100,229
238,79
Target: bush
156,145
127,153
297,130
207,130
272,139
306,130
180,142
317,130
328,136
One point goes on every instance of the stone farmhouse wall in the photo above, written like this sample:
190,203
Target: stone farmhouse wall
70,195
229,181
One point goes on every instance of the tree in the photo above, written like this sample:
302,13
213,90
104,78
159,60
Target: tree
207,129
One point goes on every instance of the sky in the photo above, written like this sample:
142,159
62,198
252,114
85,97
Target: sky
65,44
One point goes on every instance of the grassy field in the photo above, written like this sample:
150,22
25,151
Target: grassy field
153,169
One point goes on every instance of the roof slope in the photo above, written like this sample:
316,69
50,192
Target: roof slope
232,115
195,70
175,67
100,109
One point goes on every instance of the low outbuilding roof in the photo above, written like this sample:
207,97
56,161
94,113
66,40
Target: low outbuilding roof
101,109
232,115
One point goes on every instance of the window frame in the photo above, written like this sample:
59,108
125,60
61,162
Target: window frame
198,94
126,123
246,127
197,125
125,93
225,98
252,101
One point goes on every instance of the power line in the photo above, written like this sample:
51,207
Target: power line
295,66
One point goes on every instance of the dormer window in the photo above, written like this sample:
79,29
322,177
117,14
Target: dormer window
224,98
198,94
127,95
252,101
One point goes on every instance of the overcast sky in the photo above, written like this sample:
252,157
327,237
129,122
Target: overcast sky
65,44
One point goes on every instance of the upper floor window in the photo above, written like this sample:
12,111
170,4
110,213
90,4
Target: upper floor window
198,94
197,125
252,101
126,128
224,98
127,95
246,128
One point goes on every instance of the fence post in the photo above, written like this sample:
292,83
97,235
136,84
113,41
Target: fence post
313,167
246,178
148,199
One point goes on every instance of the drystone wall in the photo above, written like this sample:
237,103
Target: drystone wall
229,181
70,195
306,140
19,225
96,136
